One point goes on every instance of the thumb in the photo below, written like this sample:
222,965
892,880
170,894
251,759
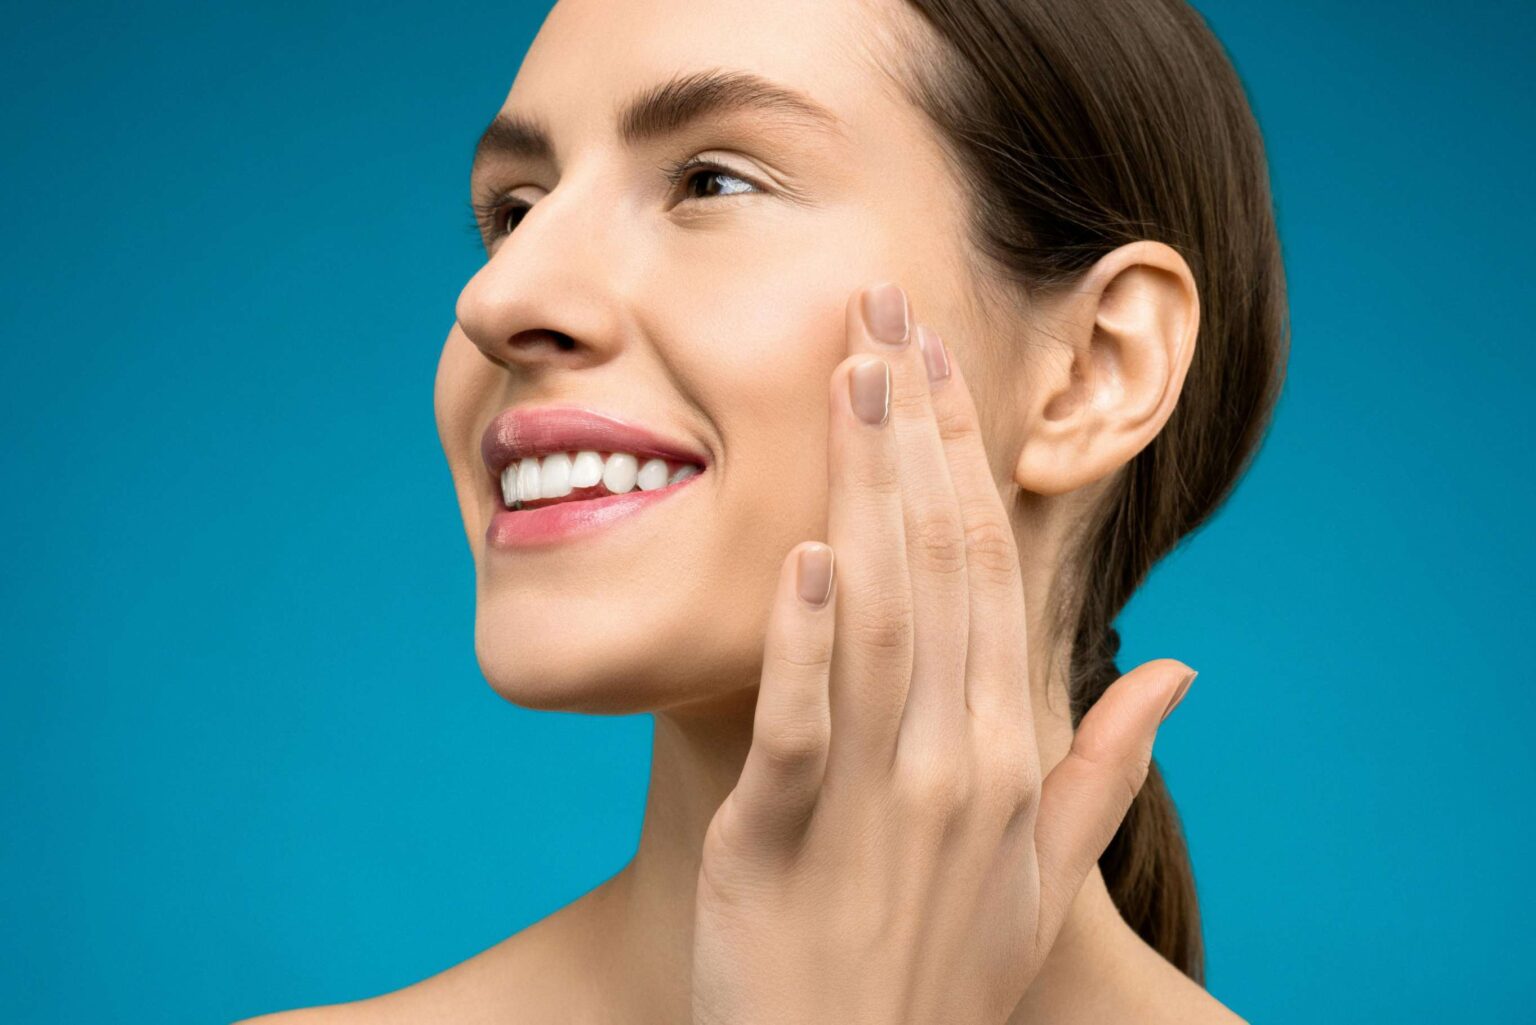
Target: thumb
1084,798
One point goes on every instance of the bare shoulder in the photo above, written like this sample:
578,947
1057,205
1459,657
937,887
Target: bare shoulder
1123,979
523,974
459,995
1195,1006
455,995
331,1014
428,1001
1166,996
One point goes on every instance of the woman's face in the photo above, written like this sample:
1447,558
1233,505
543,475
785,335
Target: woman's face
708,311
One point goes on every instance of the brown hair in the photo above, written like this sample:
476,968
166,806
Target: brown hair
1079,126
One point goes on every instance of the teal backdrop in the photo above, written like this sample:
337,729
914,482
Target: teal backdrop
248,759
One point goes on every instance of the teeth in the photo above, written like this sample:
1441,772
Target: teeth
652,475
528,479
559,473
586,469
555,476
619,473
509,485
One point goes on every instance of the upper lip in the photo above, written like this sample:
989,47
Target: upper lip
539,430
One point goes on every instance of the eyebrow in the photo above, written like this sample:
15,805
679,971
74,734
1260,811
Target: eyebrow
665,109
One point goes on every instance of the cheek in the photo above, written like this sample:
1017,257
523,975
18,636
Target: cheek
764,313
767,345
773,340
465,386
449,404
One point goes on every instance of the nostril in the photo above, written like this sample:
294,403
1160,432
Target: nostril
532,340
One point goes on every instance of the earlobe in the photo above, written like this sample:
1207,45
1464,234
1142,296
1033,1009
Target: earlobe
1130,326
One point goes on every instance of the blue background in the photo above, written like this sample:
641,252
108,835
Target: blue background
248,759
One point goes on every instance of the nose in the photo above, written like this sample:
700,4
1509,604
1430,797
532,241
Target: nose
549,296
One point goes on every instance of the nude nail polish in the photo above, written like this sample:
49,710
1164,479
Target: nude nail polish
885,313
813,574
869,391
935,358
1178,695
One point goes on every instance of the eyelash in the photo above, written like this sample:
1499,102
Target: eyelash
488,220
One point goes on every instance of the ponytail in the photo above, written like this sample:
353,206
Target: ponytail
1147,869
1146,865
1076,128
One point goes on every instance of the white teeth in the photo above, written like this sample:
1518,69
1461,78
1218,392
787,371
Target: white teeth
528,479
619,473
560,473
555,476
586,469
652,475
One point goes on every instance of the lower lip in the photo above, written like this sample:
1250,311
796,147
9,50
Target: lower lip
534,528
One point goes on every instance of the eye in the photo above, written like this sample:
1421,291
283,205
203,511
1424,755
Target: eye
697,175
700,179
497,218
508,217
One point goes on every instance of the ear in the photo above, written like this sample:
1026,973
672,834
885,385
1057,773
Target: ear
1129,327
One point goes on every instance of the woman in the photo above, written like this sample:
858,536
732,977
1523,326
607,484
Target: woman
837,372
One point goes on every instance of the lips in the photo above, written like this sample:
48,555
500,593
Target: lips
524,435
524,431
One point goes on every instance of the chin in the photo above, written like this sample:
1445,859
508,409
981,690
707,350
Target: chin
602,655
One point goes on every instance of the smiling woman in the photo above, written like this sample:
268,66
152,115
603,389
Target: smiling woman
835,374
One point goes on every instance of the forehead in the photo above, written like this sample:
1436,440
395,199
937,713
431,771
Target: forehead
590,55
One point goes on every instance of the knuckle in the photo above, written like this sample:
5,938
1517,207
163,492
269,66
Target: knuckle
883,636
936,797
954,423
1010,778
878,475
1094,746
1129,771
934,788
792,746
880,621
938,538
908,403
801,653
990,548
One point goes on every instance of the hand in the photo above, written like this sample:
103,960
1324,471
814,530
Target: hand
890,853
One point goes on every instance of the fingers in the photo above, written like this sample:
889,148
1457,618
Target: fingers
791,729
873,658
880,322
1086,796
996,673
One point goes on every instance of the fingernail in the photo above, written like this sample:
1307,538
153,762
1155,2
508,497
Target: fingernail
869,390
885,313
813,574
1178,695
934,356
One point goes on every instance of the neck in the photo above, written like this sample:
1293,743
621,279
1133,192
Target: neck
647,909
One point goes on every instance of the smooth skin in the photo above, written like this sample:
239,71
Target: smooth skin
940,877
890,853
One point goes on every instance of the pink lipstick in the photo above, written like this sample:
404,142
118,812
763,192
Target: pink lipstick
560,472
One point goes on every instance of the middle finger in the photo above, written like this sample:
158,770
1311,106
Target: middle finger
881,322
